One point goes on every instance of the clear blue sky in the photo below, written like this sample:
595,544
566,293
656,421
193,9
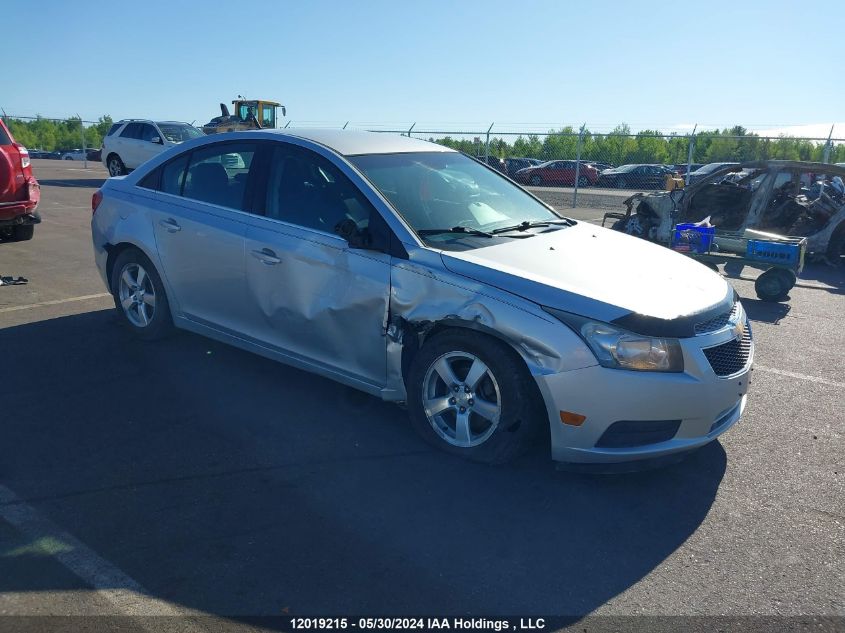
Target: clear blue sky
762,64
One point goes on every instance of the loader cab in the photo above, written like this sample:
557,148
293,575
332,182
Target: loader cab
264,112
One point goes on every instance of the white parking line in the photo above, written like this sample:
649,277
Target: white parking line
54,302
109,582
791,374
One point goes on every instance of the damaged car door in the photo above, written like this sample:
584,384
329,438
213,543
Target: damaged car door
317,296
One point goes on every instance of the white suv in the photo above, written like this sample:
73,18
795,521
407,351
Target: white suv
131,142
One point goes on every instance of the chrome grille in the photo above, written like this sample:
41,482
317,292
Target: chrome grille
717,322
729,358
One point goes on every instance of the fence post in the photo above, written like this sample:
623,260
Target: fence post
345,124
689,154
828,146
411,128
487,146
84,151
578,164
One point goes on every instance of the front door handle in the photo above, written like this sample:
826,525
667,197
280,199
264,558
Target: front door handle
266,256
170,225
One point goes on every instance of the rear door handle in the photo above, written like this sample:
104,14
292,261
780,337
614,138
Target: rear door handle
170,225
266,256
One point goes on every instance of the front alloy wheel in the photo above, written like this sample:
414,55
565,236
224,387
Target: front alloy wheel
461,399
471,395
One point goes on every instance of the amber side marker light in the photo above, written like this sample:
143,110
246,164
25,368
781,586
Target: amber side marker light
572,419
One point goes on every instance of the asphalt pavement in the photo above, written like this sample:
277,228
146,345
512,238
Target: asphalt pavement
188,477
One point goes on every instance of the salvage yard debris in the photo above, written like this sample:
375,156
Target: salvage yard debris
785,198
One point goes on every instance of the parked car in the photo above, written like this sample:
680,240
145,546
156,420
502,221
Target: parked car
75,154
558,172
38,153
705,170
19,190
599,165
681,168
495,162
513,165
490,315
635,177
95,155
132,141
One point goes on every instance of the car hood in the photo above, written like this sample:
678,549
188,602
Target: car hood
600,274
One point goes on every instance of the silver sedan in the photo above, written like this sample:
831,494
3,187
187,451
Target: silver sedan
419,275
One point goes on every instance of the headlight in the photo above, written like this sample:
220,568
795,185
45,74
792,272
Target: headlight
620,349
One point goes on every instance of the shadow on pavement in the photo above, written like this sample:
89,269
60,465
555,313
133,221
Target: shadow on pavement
236,486
93,183
765,311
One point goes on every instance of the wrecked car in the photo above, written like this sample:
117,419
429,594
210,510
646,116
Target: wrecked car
416,274
789,198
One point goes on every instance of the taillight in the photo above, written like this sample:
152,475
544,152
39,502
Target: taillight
25,162
96,199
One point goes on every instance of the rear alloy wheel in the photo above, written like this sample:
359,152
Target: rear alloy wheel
536,180
583,181
139,296
116,166
621,183
471,395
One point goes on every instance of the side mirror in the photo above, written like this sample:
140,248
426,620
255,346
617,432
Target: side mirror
349,231
156,139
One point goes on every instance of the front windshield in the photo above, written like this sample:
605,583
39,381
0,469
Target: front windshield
441,190
179,132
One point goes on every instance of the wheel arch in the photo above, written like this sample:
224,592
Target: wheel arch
113,252
415,335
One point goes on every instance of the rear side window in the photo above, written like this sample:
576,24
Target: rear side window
114,128
4,137
173,176
218,174
132,130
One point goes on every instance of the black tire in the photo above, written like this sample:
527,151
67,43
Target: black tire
583,181
22,233
836,247
621,183
772,286
522,412
115,166
537,180
160,323
789,277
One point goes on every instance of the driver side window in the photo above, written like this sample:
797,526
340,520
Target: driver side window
307,190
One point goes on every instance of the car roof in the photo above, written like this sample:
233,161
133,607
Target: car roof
353,142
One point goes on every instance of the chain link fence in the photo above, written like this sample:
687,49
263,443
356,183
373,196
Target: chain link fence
582,168
566,166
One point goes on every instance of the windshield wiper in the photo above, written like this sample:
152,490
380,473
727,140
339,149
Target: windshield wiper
524,226
455,229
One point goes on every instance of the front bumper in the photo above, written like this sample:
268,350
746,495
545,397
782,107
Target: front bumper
660,414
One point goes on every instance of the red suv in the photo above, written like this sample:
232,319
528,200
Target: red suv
19,190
